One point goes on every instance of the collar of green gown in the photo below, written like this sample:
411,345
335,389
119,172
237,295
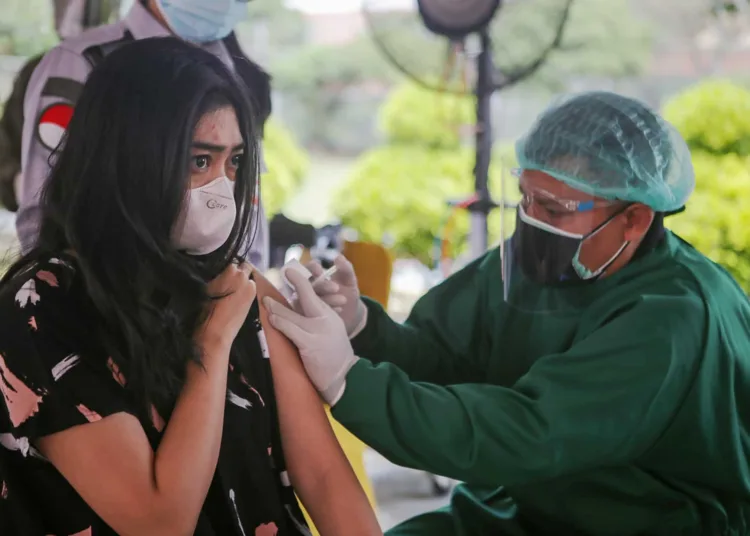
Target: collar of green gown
575,298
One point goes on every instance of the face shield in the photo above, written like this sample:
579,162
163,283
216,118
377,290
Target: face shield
561,245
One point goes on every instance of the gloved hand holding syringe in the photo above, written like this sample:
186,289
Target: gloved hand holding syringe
288,291
337,287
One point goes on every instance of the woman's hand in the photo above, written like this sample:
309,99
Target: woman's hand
232,293
161,492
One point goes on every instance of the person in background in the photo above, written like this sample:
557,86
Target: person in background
138,397
589,377
56,84
68,22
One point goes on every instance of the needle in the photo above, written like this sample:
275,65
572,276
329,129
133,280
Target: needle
322,277
328,274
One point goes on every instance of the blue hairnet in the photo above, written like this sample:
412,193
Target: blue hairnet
611,147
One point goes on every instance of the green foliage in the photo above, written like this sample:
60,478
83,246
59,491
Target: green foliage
401,190
319,76
26,27
713,117
271,30
605,38
287,166
412,115
717,219
318,66
602,38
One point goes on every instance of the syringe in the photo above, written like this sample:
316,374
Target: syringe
328,274
288,291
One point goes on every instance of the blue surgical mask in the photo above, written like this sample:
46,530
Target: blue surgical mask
202,21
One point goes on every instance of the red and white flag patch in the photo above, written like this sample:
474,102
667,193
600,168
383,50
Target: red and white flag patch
53,123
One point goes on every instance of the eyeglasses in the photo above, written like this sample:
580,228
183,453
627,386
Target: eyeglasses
552,204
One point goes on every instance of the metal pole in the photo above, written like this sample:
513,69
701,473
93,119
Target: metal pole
484,91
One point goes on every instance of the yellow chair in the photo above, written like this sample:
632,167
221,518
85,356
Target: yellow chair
373,266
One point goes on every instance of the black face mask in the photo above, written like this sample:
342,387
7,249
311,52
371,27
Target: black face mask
548,258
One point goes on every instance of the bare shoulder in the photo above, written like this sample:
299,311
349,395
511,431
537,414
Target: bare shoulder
265,289
277,342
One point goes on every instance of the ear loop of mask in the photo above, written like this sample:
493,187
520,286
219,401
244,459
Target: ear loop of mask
544,226
582,271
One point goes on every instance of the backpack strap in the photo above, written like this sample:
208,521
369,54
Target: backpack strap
96,53
11,128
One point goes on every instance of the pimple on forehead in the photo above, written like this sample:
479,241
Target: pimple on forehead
219,127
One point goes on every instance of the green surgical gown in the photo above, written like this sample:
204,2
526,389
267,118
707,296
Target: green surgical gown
630,416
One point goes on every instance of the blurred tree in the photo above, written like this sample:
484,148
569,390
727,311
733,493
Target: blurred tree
287,165
271,30
601,37
401,190
706,31
413,116
399,194
27,27
714,118
318,77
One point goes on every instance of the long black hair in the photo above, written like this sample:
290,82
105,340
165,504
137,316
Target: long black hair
116,190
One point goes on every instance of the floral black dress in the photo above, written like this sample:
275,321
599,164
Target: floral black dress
53,376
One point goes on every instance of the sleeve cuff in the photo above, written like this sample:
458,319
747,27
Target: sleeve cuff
365,339
362,322
354,379
334,393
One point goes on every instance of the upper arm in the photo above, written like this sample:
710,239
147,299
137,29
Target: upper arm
303,420
318,468
69,404
604,402
95,455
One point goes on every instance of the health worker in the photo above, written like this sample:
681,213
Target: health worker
589,377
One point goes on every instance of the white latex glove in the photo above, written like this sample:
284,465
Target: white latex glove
341,293
320,336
